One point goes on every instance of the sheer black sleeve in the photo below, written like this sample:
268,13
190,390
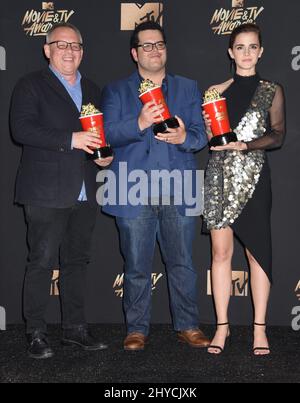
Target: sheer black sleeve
274,138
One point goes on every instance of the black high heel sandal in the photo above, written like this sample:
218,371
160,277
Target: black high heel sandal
261,348
226,341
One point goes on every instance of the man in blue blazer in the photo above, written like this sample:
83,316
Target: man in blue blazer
57,186
149,209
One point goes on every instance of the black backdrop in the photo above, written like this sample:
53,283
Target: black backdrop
196,51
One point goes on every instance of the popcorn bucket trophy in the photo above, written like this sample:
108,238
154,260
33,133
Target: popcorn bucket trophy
152,92
92,121
215,106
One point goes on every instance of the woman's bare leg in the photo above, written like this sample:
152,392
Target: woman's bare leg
260,286
222,251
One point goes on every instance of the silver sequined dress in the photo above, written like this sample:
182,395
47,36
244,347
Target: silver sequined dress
237,183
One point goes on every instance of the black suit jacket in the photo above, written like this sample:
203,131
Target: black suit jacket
43,117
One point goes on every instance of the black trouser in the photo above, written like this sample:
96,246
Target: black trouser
64,236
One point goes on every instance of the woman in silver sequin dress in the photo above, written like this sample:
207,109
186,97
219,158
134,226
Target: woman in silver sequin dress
238,186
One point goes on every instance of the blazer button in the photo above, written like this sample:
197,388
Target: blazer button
61,149
147,152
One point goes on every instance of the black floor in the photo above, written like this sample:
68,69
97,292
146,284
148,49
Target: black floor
164,360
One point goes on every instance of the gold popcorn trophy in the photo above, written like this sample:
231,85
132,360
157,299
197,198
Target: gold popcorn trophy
215,106
92,121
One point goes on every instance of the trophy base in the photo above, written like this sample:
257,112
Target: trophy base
162,127
223,139
102,152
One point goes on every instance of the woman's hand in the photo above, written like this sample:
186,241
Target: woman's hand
234,145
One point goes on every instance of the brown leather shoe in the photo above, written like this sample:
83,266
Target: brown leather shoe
135,342
194,338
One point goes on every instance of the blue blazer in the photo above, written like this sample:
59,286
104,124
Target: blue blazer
121,106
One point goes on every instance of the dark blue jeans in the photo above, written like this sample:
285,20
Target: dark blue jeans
175,235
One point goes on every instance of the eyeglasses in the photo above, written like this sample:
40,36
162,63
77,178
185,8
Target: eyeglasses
148,47
64,45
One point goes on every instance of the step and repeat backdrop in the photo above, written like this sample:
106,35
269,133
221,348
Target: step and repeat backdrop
197,33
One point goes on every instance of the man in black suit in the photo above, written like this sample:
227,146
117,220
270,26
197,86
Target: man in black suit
57,186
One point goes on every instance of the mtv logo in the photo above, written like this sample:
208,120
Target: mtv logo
119,281
155,277
238,3
2,318
47,5
2,58
118,285
133,14
54,290
240,284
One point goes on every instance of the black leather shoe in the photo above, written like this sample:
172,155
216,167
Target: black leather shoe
80,336
38,346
